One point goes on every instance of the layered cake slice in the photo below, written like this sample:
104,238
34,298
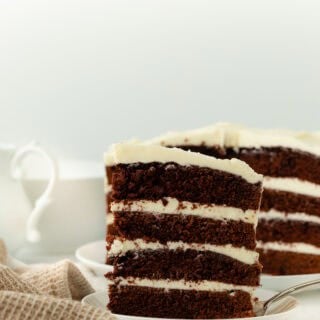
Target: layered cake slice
289,222
183,233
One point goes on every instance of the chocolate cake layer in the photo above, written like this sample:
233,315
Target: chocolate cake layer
270,161
288,231
289,202
288,263
108,201
186,228
110,230
176,265
153,181
185,304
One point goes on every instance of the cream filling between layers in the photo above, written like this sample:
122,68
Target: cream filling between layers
120,247
173,206
298,247
203,285
293,185
278,215
110,218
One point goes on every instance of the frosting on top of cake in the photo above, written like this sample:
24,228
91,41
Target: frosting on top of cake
237,136
135,152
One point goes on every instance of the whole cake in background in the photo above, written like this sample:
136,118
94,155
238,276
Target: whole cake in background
289,221
182,233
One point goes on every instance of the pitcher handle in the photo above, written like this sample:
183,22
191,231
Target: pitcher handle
32,230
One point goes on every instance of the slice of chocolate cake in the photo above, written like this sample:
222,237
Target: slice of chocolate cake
182,239
289,221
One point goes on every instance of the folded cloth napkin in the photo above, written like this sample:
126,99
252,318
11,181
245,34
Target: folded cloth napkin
48,292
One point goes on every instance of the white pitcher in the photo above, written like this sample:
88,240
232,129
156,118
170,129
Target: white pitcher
18,220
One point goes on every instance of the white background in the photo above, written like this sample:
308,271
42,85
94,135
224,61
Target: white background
78,75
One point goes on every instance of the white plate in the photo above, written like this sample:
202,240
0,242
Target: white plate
100,299
280,283
92,255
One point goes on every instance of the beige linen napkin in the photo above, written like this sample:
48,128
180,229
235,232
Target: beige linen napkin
48,293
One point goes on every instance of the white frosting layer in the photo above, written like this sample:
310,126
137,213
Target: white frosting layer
292,185
173,206
299,247
299,216
132,152
242,254
236,136
168,284
220,134
110,218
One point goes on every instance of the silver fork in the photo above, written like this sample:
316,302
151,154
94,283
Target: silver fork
263,308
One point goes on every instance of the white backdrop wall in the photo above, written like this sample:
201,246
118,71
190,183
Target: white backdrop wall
78,75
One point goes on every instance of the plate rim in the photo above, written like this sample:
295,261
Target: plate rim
274,276
89,262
